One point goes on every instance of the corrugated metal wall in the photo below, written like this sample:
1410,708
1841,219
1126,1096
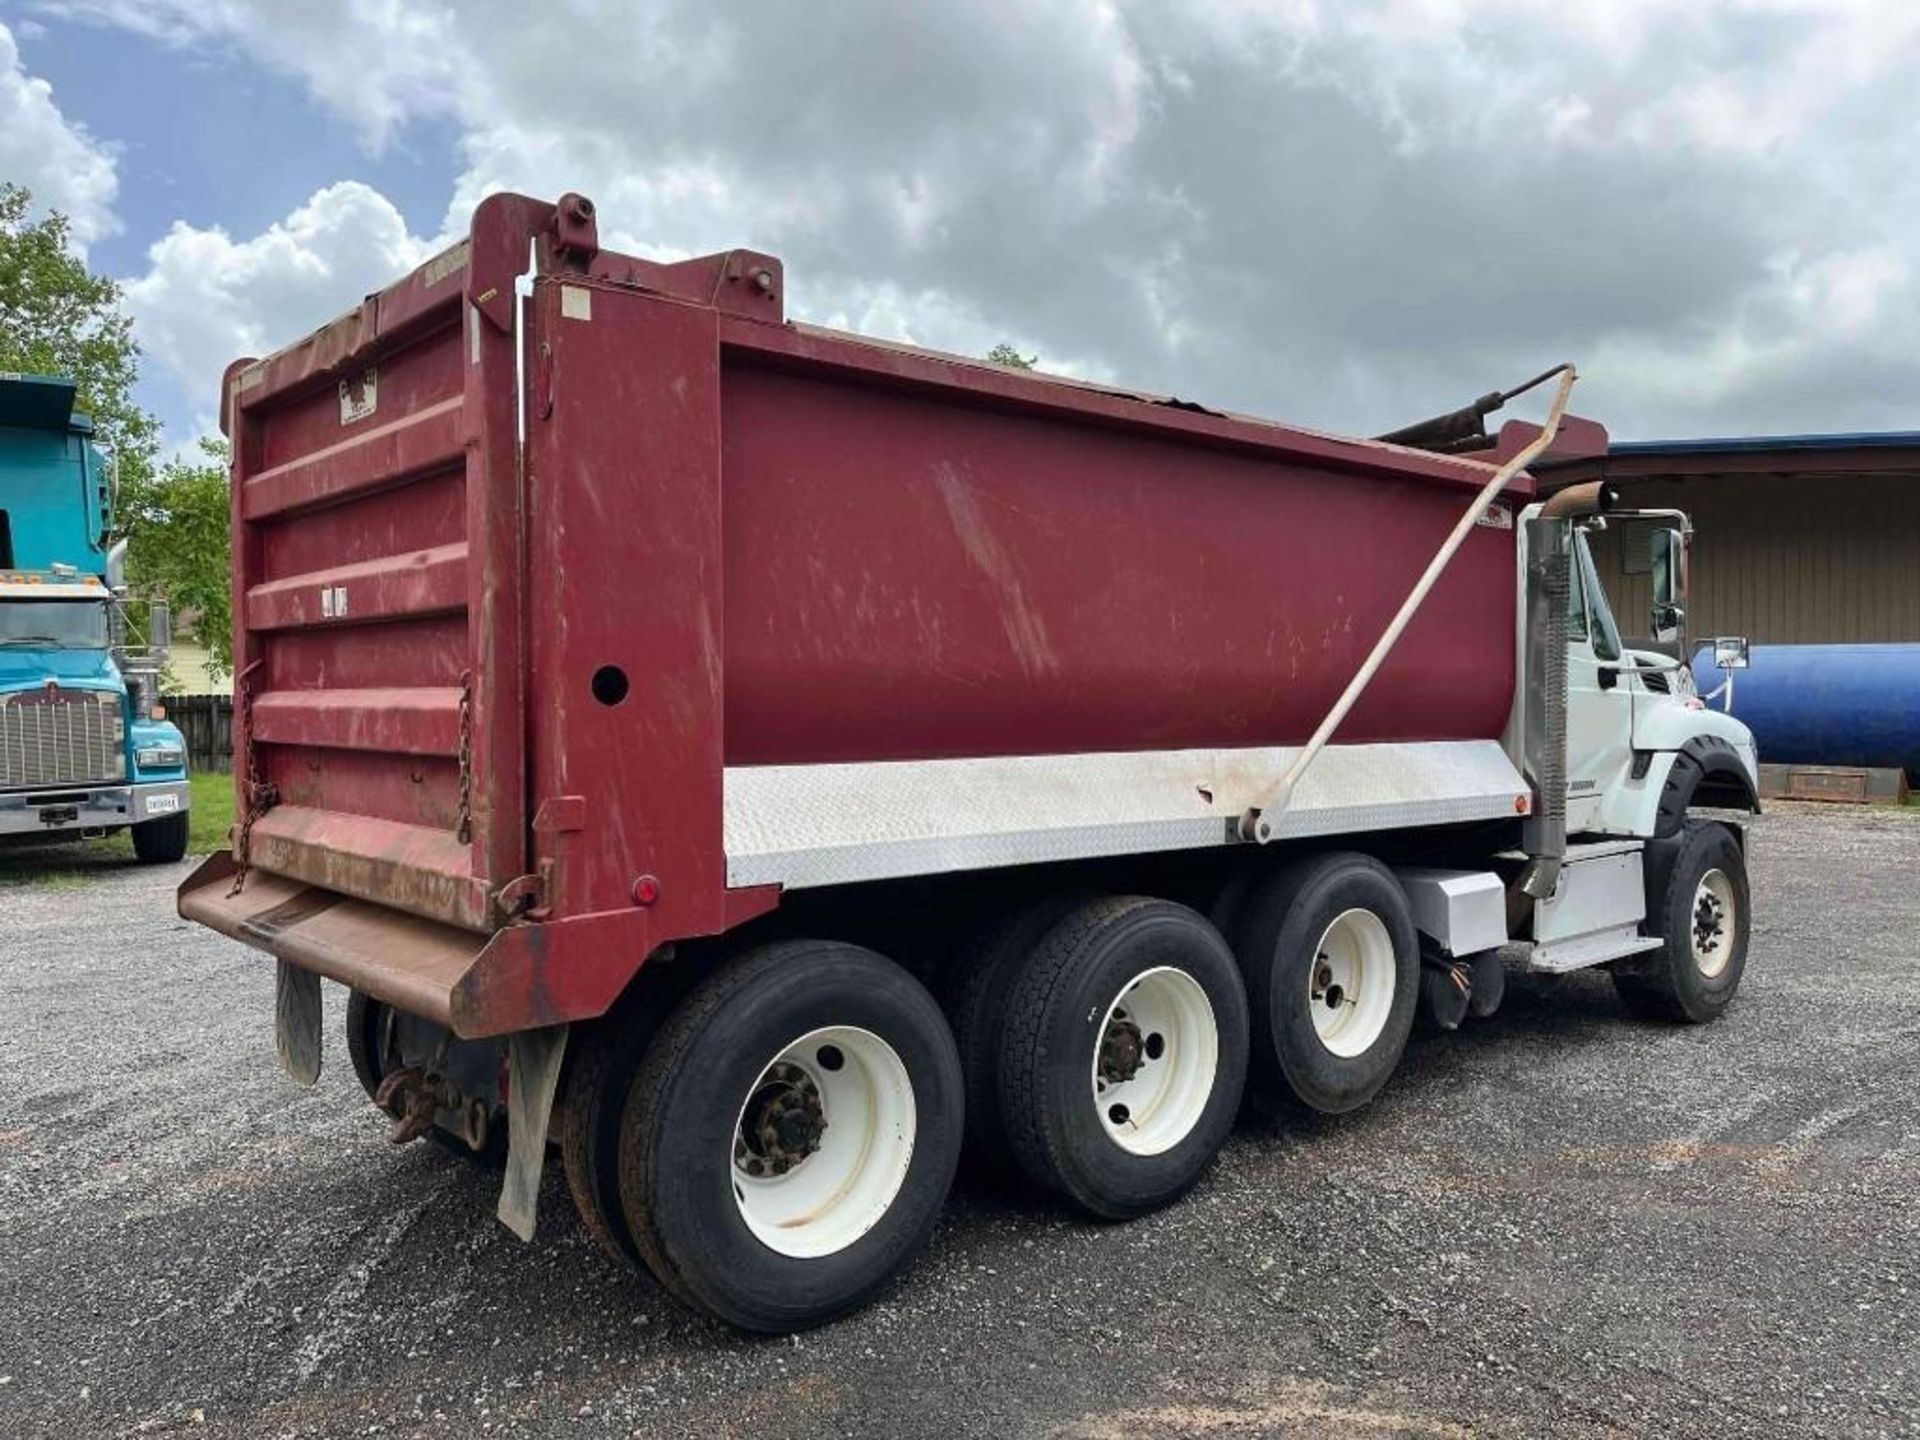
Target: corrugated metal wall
1781,559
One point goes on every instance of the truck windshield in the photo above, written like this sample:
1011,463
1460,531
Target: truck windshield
1598,614
54,624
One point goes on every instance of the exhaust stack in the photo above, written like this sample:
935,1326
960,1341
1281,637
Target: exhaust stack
1543,834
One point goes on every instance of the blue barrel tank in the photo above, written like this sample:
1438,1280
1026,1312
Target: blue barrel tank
1827,704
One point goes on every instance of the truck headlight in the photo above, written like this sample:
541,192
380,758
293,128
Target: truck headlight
160,757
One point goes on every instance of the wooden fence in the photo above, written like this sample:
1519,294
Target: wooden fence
207,722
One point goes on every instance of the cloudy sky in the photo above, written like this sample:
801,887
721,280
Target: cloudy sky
1344,212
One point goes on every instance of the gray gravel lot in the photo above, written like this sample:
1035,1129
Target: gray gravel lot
1561,1222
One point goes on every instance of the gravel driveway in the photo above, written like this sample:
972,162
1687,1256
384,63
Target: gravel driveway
1559,1222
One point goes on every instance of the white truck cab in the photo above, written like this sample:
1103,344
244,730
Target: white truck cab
1618,867
1631,716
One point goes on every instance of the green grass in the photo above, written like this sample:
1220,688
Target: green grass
71,865
212,814
59,879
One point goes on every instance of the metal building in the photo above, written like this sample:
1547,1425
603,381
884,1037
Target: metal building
1800,539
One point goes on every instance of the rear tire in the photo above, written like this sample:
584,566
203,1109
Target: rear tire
1332,966
366,1020
367,1052
599,1075
1701,909
1124,1056
739,1200
600,1071
976,999
162,841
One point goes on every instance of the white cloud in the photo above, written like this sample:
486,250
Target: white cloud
1846,293
207,299
64,166
1347,212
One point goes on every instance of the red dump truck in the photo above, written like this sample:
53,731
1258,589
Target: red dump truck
746,759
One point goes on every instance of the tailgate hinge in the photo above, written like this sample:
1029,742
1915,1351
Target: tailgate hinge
528,896
574,232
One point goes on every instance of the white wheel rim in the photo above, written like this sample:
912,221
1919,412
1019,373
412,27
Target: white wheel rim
1154,1065
1712,922
1350,983
808,1202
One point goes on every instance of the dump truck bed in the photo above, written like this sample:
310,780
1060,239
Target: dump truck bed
584,604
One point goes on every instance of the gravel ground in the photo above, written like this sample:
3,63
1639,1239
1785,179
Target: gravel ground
1560,1222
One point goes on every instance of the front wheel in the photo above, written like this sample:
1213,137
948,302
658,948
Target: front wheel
1698,903
162,841
790,1138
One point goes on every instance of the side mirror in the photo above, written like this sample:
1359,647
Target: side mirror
159,625
1669,567
1669,585
1731,652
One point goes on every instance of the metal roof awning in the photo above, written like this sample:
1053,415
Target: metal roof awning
1748,444
1843,453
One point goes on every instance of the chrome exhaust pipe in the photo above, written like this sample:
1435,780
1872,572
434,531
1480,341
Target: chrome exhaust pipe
1543,835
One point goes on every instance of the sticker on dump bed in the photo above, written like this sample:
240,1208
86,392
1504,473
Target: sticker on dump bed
576,303
333,602
360,396
1495,517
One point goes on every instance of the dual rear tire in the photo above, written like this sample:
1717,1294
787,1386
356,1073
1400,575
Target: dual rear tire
788,1140
1122,1056
374,1052
785,1141
781,1142
1331,960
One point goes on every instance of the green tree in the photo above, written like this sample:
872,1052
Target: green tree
177,529
1009,356
58,318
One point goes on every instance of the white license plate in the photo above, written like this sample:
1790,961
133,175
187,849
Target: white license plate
162,804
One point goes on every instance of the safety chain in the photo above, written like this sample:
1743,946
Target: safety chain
257,797
465,828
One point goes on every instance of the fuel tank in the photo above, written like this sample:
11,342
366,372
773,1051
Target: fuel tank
1828,704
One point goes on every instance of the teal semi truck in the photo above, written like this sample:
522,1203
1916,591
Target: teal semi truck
85,748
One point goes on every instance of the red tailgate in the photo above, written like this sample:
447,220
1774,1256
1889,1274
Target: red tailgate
379,743
379,749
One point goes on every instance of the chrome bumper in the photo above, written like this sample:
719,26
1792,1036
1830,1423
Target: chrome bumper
53,810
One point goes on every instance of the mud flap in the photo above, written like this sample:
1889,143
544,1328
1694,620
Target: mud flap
533,1075
296,1022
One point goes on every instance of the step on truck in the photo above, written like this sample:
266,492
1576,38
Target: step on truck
744,762
86,749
